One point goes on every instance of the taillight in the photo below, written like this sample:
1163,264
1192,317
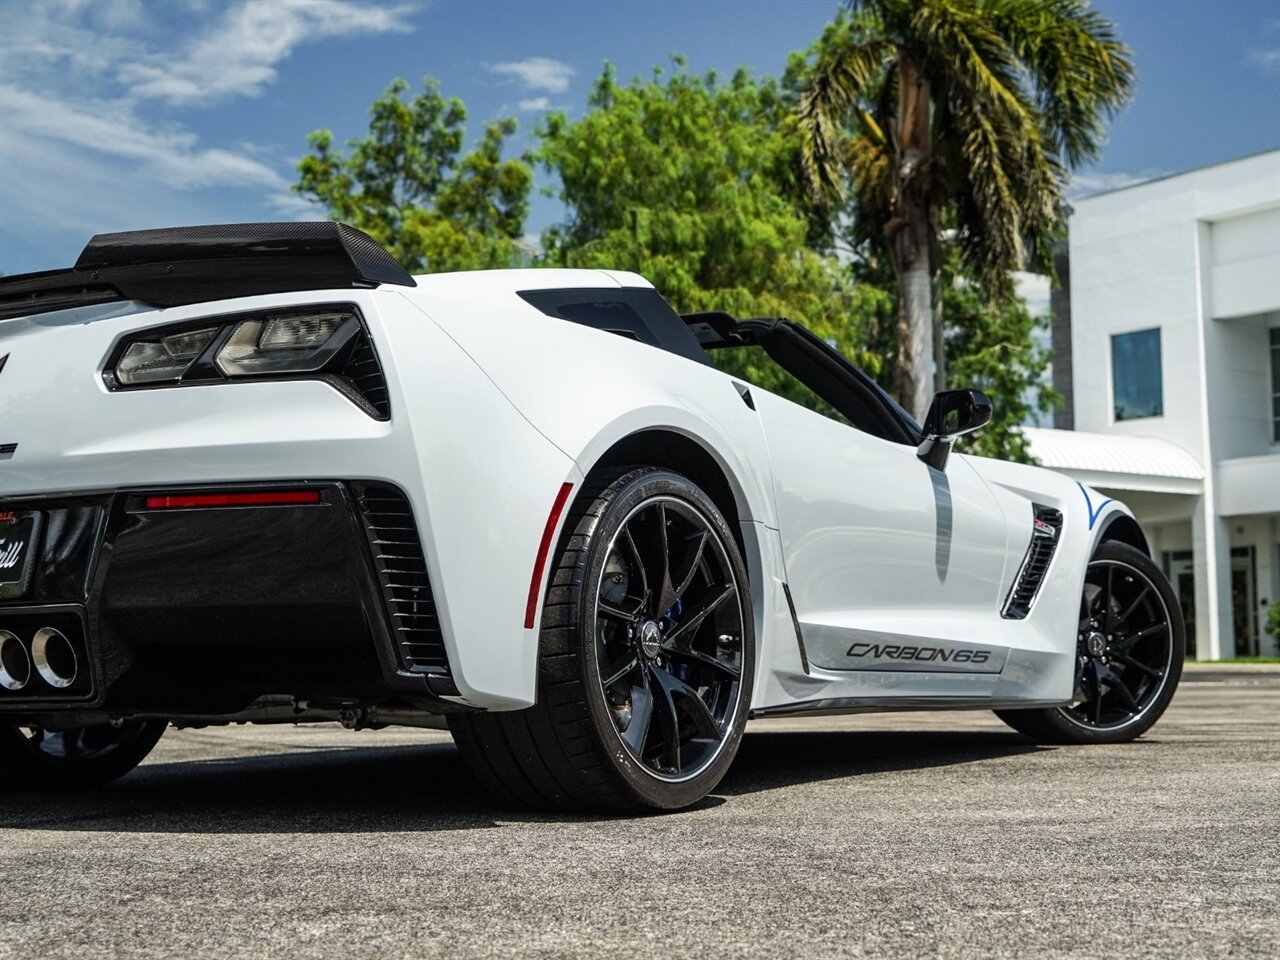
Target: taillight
257,498
163,358
328,342
300,343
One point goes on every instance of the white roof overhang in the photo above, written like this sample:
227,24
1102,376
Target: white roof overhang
1116,462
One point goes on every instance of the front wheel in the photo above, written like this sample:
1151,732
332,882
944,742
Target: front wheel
1130,644
646,658
32,758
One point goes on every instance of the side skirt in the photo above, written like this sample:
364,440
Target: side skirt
835,706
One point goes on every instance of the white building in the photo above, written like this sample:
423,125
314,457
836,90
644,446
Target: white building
1168,350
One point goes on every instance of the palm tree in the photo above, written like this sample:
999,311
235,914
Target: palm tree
963,113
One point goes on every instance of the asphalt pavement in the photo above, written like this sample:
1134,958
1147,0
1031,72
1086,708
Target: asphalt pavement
918,835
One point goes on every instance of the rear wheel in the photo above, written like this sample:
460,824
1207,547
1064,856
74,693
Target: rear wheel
1130,646
32,758
646,658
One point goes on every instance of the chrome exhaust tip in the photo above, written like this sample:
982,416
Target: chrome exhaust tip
15,662
54,658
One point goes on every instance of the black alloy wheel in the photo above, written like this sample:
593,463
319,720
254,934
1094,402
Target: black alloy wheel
32,757
669,638
1124,647
1130,644
647,654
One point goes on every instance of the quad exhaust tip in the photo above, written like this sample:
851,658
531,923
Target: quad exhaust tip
15,662
54,658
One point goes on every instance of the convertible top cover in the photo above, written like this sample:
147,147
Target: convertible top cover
181,265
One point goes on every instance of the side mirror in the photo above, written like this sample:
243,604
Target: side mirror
952,414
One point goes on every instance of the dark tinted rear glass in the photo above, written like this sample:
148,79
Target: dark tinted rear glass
638,313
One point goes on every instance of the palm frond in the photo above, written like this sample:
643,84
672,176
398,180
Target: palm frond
1020,93
870,167
1080,69
850,62
998,146
964,50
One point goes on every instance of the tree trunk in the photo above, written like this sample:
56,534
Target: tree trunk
915,324
910,238
939,341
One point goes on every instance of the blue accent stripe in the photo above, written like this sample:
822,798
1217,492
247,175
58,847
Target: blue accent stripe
1093,514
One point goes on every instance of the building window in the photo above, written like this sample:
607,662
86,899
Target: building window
1135,374
1275,384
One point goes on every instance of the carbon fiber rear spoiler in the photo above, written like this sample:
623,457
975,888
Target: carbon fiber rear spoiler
181,265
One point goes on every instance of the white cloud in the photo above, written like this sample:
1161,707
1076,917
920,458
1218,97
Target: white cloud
291,206
84,148
55,198
171,157
118,14
535,103
537,73
239,56
53,48
1267,60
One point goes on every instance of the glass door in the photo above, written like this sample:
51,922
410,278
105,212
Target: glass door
1179,567
1244,609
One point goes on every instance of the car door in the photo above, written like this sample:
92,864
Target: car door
892,565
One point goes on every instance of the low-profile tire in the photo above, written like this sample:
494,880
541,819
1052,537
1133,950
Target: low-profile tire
34,759
646,657
1131,642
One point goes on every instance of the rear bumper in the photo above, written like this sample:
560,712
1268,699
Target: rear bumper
479,476
204,610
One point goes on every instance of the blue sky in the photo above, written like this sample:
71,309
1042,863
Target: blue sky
126,114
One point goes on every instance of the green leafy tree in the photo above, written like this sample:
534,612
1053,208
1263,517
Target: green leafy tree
696,185
989,345
962,111
410,186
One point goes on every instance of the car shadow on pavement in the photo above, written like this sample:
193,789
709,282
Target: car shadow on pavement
768,760
427,787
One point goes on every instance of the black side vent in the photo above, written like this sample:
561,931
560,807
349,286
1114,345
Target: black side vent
1045,529
402,574
365,373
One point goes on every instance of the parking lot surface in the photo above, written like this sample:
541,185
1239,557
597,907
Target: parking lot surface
931,835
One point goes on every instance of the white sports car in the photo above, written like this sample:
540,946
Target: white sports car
260,473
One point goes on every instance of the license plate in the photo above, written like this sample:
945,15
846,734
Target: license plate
19,531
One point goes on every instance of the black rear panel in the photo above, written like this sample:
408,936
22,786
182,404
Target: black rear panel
175,605
71,529
214,607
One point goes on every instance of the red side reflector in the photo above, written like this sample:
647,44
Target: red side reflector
535,584
255,499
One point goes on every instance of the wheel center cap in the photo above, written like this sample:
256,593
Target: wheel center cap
650,638
1096,644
